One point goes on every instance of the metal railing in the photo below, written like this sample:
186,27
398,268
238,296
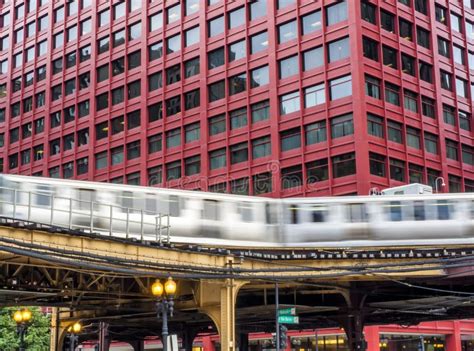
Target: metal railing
85,215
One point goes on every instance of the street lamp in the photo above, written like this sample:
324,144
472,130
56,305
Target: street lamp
22,319
443,184
73,330
164,305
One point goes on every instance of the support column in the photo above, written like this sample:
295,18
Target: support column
138,345
453,341
353,323
372,335
188,339
217,300
243,341
104,341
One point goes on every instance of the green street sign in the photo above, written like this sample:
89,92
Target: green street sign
287,311
288,320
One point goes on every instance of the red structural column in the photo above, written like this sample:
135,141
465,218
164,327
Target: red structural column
453,341
207,344
372,337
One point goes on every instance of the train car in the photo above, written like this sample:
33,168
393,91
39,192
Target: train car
229,220
195,217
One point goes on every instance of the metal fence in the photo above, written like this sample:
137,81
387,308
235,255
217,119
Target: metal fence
86,215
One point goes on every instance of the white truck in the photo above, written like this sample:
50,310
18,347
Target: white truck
409,189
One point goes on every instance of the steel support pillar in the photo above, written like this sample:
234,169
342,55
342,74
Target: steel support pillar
217,300
104,341
243,341
138,345
353,322
188,338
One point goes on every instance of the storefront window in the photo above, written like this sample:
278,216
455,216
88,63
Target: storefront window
394,342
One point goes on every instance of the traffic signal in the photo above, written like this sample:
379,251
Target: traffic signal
283,337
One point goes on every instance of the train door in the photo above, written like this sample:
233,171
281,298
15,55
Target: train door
211,218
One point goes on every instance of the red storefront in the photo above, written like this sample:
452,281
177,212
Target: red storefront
435,336
281,98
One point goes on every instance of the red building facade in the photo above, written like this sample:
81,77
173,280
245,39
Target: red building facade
282,97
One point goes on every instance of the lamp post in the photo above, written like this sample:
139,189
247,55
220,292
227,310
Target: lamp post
73,330
443,184
164,305
22,319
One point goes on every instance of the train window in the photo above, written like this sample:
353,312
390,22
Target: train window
357,213
319,214
246,211
270,214
395,210
44,195
174,206
150,204
419,211
84,198
294,214
210,210
443,210
472,209
126,200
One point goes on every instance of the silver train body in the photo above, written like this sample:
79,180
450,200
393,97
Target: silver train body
224,220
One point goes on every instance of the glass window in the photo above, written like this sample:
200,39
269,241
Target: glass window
336,13
215,26
375,125
238,118
340,87
155,51
259,77
155,112
406,29
118,38
291,177
173,138
339,49
133,119
288,66
343,165
260,111
377,164
236,18
215,58
342,126
258,42
287,31
217,124
119,10
173,74
290,139
431,143
258,9
173,13
423,37
395,132
456,23
313,58
262,183
315,133
237,84
285,3
173,44
217,158
191,36
397,170
156,21
370,47
387,21
413,138
289,103
191,67
311,22
410,101
314,95
173,170
192,165
368,12
192,99
372,87
173,105
191,6
104,17
216,91
239,153
134,31
237,50
154,143
452,150
392,94
261,147
192,132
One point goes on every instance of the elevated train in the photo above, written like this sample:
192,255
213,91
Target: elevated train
243,221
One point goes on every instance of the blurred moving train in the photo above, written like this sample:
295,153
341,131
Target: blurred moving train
244,221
